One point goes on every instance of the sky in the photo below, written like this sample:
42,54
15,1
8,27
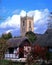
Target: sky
11,10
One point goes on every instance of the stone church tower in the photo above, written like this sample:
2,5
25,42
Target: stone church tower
27,24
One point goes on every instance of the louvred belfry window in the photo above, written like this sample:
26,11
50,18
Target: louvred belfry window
23,23
29,24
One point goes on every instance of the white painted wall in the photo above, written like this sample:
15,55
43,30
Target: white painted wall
14,55
27,49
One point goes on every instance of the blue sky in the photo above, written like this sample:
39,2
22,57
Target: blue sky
12,9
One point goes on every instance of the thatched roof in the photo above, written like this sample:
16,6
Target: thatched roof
49,37
45,39
42,40
15,42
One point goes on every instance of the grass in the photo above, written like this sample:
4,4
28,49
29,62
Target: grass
4,62
7,62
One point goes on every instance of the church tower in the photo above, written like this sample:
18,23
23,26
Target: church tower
27,24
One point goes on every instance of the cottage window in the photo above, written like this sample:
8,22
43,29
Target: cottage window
11,50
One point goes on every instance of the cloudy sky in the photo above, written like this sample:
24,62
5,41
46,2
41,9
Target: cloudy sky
11,10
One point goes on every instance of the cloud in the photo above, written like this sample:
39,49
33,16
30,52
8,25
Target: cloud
8,31
38,14
15,11
12,23
23,13
40,20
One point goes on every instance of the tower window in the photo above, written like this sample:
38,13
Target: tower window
29,24
23,23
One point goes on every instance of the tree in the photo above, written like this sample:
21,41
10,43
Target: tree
3,47
31,36
6,36
47,55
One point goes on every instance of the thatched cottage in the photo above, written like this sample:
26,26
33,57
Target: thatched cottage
18,48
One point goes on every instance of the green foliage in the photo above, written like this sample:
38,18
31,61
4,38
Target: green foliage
36,64
31,36
4,62
9,62
47,55
6,36
3,47
51,55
